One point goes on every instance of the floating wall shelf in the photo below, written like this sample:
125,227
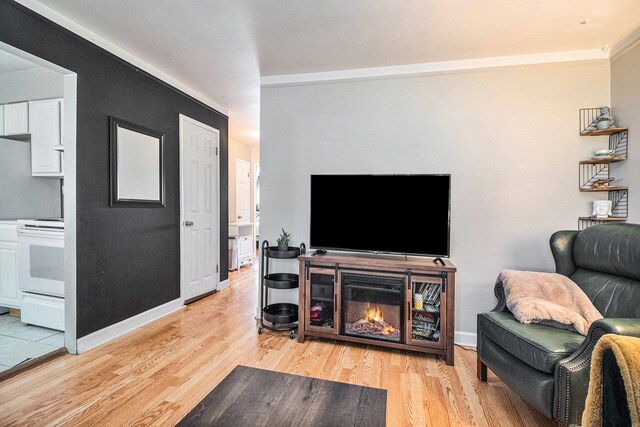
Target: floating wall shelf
597,169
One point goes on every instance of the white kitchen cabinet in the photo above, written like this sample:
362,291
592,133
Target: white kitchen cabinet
1,120
240,244
45,127
16,118
245,250
10,295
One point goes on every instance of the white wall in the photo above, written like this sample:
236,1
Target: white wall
509,138
625,100
21,195
29,85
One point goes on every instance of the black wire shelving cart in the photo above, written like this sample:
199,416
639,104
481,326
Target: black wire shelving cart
280,316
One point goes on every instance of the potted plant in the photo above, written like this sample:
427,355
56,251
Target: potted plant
603,122
283,241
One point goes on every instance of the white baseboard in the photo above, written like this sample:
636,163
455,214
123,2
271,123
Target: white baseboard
224,284
466,339
112,332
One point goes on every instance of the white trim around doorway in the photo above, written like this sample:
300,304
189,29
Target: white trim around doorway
69,193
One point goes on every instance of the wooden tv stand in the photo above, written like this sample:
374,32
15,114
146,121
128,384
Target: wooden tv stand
369,299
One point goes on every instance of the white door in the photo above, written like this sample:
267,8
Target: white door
243,191
200,242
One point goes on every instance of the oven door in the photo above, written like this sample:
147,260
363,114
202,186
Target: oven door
41,261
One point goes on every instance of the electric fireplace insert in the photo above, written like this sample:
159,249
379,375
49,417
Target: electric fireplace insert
372,307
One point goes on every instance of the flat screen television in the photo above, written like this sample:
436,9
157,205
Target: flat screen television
402,214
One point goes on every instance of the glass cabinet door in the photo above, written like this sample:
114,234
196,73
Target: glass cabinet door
425,326
322,301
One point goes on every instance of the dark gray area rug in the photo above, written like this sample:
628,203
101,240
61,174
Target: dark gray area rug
256,397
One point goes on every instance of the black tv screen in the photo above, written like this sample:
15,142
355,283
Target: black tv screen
381,213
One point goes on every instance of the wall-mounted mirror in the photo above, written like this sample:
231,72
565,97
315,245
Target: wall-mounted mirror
137,178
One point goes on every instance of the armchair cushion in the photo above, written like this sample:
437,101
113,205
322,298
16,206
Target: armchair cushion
612,250
613,296
539,346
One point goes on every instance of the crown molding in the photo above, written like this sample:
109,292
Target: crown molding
434,67
105,44
630,41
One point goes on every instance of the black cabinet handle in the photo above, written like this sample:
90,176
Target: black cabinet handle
335,303
408,310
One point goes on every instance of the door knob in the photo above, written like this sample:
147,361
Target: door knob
188,223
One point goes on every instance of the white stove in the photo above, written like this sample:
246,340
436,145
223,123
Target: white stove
41,271
57,223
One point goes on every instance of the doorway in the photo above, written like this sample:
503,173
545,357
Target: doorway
200,209
37,217
256,189
243,191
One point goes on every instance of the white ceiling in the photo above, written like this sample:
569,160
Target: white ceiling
10,63
220,48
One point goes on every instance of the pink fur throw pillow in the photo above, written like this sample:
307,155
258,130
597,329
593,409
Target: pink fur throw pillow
548,298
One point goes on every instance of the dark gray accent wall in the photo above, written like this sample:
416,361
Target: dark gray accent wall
128,258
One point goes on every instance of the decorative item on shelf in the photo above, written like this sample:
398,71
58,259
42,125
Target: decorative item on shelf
417,301
602,184
603,154
603,121
597,121
316,312
602,208
283,241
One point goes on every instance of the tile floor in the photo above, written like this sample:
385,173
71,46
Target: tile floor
20,342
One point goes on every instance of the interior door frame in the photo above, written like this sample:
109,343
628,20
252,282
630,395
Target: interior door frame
182,119
68,129
251,210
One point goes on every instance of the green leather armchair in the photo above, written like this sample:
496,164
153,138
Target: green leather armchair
549,367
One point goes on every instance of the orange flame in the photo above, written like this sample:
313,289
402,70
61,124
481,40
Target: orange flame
374,314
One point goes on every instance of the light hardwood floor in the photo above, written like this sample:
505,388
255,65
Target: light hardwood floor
156,374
